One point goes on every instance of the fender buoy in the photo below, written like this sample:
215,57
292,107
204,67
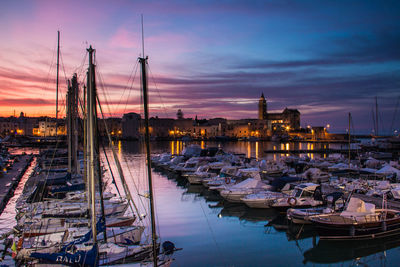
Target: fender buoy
292,201
20,243
227,180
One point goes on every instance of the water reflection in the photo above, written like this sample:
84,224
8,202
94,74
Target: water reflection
245,213
214,232
328,252
257,150
293,231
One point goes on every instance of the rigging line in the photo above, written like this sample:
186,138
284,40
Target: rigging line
156,213
129,83
130,172
213,235
354,132
109,166
101,86
394,114
373,120
46,83
80,68
382,125
131,87
63,66
135,184
127,192
158,91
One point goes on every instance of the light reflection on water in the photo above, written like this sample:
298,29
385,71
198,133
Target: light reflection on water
215,234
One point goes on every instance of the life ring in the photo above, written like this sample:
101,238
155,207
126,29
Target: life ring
227,180
292,201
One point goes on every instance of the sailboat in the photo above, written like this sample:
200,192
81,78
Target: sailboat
87,250
93,248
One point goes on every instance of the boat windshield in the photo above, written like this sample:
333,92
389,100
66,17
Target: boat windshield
296,192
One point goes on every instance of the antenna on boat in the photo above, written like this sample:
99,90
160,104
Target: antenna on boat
349,137
58,67
376,116
142,36
143,61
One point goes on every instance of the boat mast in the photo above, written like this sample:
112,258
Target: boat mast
58,67
72,132
143,62
349,136
376,115
90,122
69,126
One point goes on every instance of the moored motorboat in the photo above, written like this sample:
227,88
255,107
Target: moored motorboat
359,220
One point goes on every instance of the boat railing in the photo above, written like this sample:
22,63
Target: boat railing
366,218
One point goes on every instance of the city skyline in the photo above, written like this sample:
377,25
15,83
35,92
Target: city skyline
209,59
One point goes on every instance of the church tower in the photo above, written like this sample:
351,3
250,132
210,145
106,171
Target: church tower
262,108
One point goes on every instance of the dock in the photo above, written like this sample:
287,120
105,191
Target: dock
10,180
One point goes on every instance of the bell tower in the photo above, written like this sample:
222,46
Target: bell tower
262,108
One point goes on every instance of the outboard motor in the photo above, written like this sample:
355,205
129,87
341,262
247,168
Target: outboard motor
168,247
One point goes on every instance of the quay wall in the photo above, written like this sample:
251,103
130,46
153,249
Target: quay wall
18,170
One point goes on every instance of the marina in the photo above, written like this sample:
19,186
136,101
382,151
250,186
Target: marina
199,133
189,213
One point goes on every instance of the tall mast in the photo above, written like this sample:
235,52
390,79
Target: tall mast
58,67
143,62
91,163
69,126
376,116
349,136
75,113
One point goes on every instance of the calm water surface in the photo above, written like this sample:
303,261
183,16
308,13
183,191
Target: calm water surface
212,233
215,234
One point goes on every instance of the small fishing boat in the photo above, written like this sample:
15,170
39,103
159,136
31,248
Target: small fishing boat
359,220
303,196
302,216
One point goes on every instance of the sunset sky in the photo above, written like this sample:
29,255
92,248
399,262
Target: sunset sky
210,58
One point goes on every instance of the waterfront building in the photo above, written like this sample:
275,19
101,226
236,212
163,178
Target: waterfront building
131,125
262,108
114,126
47,127
288,120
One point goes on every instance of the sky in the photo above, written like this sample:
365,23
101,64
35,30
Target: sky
209,58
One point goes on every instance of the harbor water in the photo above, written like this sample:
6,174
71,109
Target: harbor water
217,233
214,233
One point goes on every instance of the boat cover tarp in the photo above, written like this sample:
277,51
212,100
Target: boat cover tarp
356,207
69,188
78,258
249,183
387,169
100,227
280,182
